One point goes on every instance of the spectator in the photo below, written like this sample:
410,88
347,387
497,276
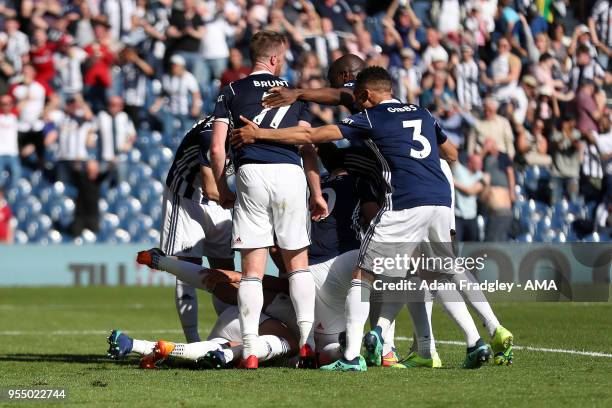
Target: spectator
467,75
407,24
9,146
185,35
119,14
492,126
453,122
116,136
87,211
592,171
98,66
498,194
30,98
180,98
6,70
524,101
434,50
6,221
505,72
600,27
132,83
338,12
407,78
76,136
532,147
438,93
585,68
17,43
215,49
468,185
41,57
236,70
565,150
68,62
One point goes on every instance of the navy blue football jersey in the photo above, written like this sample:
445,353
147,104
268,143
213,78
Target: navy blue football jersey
335,234
405,139
243,97
184,174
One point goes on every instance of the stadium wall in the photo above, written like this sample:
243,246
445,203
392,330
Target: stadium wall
115,265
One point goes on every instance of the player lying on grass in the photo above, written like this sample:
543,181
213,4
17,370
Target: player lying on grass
277,323
417,203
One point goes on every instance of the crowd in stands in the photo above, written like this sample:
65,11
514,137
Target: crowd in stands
95,95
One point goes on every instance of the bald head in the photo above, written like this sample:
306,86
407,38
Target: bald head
344,69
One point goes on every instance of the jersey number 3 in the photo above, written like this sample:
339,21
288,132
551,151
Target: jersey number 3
417,136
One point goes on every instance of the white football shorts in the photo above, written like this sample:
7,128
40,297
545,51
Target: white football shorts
332,280
393,233
193,229
271,203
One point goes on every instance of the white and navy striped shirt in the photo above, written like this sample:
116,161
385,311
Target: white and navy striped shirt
134,85
467,84
179,89
602,15
113,134
119,13
184,178
591,71
591,161
73,133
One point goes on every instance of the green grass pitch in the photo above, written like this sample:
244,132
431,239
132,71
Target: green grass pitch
56,338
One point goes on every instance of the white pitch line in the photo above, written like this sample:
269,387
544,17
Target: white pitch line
528,348
176,331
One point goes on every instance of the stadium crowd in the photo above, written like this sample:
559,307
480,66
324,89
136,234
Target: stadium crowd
89,89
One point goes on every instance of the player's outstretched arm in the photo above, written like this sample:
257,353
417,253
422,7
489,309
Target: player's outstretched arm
281,96
448,151
297,135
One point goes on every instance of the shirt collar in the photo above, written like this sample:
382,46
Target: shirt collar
390,101
261,71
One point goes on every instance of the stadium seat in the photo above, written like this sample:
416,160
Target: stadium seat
88,236
20,237
594,237
52,237
526,237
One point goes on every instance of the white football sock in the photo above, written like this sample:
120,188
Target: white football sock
303,291
271,347
388,313
389,338
356,316
453,303
426,346
232,353
186,271
193,351
142,347
479,302
250,302
187,308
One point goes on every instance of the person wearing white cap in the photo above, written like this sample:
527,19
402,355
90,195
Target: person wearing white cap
180,98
